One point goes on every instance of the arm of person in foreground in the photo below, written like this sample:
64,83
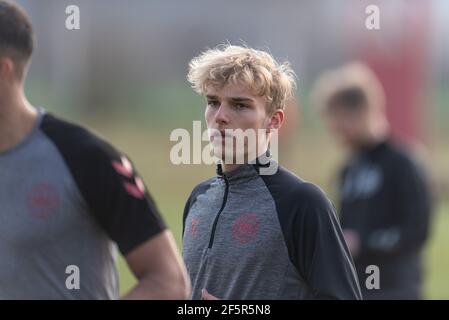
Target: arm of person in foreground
159,269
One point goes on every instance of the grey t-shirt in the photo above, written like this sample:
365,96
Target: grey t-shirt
66,199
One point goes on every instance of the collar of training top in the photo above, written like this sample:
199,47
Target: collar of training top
372,150
245,171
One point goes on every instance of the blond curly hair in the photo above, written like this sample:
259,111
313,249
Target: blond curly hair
236,65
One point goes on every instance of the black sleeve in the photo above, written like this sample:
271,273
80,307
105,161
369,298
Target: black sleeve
411,204
320,251
108,182
314,239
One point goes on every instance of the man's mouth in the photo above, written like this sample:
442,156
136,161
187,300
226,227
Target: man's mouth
221,134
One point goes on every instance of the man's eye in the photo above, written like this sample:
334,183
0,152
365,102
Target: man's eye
240,106
213,104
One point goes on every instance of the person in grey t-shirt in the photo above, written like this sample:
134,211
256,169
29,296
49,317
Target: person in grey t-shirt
67,198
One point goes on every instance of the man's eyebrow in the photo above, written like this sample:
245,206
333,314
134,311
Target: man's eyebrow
241,99
233,99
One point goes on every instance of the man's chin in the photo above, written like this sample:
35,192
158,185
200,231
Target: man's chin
229,157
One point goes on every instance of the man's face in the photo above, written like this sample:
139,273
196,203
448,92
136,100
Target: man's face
236,107
350,127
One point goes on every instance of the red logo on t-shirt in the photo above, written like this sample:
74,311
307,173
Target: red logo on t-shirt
136,190
245,228
125,169
42,200
194,227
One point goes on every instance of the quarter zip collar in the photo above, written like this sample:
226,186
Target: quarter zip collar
244,172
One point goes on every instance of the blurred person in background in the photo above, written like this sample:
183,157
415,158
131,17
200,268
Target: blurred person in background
67,197
384,196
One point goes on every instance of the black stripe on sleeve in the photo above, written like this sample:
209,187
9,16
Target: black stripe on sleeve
108,182
313,237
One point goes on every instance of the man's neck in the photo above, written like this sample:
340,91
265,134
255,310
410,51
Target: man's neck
230,167
233,166
17,118
375,138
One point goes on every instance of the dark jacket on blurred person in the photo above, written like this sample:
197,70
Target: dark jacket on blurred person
384,198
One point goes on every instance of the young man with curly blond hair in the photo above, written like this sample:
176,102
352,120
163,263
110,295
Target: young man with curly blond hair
250,233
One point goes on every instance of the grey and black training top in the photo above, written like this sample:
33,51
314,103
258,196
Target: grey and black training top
66,198
253,236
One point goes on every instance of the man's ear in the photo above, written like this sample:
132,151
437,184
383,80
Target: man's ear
276,120
6,67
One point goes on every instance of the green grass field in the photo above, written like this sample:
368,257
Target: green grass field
170,185
437,256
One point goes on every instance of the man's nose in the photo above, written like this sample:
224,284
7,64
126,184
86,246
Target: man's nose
222,115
